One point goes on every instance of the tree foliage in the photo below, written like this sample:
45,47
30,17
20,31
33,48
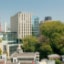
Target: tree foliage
0,51
54,30
30,43
51,39
45,49
58,61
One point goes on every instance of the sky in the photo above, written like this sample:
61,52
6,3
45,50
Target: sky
40,8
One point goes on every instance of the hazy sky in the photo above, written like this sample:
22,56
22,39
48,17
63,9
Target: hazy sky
40,8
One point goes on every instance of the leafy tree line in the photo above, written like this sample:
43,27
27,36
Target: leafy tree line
50,41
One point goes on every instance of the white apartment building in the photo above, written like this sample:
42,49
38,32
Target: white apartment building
22,24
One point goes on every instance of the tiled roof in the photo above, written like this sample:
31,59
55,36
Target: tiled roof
25,54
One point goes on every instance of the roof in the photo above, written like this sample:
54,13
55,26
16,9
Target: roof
54,56
20,53
23,55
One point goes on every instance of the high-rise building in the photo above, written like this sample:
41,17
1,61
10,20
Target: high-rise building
22,24
36,27
48,18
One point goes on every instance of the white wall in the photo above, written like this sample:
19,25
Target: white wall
47,62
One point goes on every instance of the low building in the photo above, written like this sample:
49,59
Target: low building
3,59
10,48
20,57
8,42
25,57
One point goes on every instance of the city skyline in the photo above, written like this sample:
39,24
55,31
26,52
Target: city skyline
40,8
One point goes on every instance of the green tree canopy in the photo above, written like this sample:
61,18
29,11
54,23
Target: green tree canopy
48,28
58,61
45,49
29,44
54,30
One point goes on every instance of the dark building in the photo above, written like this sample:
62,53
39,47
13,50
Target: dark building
48,18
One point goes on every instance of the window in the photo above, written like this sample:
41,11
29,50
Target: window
14,60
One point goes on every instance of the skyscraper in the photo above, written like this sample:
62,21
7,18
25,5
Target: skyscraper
22,24
36,27
48,18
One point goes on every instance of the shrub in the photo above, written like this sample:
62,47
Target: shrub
58,61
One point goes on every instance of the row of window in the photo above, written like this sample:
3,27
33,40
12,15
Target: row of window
25,17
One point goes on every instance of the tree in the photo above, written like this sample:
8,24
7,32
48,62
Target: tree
48,28
45,50
58,61
0,51
62,51
30,43
54,30
42,39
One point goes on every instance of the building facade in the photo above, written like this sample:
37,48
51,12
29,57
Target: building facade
47,18
25,57
8,42
9,37
36,27
22,24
